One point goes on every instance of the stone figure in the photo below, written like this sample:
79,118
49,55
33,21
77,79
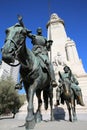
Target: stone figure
40,48
33,72
59,60
67,75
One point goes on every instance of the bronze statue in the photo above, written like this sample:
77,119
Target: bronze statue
67,96
33,69
40,48
68,90
67,75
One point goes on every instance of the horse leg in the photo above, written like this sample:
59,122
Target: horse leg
48,93
69,111
30,119
45,97
38,116
51,103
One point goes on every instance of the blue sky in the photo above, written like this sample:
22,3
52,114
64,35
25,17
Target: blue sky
36,14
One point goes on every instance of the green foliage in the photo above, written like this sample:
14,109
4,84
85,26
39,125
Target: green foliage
10,100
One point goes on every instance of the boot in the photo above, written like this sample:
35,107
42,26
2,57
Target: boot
80,101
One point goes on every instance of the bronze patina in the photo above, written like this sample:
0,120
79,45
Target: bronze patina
33,68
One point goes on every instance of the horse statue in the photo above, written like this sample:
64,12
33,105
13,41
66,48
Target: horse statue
68,96
35,78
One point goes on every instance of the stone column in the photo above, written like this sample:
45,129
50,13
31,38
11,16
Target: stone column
71,51
56,32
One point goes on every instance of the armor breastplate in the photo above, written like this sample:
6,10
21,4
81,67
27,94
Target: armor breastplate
39,40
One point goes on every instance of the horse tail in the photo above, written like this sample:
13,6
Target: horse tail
45,97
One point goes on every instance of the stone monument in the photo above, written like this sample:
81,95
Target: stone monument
64,52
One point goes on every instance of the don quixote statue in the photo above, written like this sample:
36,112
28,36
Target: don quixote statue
36,70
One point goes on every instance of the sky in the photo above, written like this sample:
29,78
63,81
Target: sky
36,13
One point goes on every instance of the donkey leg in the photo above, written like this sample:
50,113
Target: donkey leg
69,111
74,111
74,114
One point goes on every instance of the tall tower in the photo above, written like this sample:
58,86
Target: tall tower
64,51
63,46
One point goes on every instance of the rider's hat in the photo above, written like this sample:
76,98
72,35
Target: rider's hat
66,67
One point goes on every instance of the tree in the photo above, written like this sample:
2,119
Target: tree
10,100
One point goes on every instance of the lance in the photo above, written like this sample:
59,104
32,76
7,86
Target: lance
50,37
50,42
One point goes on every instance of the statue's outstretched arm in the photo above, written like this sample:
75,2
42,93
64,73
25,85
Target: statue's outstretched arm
30,35
20,20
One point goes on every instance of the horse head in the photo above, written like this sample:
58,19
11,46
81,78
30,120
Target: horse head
14,41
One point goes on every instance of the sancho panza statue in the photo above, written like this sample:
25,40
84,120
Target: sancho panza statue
67,75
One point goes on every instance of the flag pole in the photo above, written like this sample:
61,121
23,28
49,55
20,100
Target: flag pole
50,36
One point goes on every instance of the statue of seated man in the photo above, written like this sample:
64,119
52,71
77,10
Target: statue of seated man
67,75
40,48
